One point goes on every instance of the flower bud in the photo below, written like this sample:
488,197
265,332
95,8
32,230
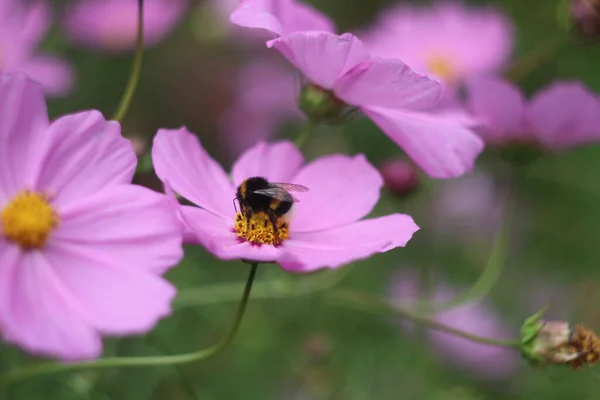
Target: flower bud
400,176
556,342
139,144
320,105
586,16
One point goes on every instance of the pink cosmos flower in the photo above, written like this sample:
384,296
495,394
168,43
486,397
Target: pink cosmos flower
111,25
324,230
486,362
468,209
449,40
389,93
22,28
266,94
279,17
564,115
81,249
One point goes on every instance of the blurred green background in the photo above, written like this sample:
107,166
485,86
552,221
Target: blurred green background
293,344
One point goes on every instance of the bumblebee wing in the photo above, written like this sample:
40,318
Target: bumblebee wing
290,187
275,192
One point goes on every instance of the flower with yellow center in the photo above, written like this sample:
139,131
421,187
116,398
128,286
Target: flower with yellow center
442,67
326,229
82,250
29,219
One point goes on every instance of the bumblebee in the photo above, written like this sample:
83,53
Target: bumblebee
257,195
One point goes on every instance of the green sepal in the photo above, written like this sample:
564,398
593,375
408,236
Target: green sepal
529,333
321,106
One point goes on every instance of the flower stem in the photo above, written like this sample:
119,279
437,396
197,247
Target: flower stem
153,361
492,270
307,131
134,75
352,299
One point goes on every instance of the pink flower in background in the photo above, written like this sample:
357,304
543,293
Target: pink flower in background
280,17
266,99
23,26
564,115
486,362
81,249
469,208
389,93
111,25
325,229
450,41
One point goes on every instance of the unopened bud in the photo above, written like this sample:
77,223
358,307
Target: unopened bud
585,14
400,176
320,105
556,342
138,144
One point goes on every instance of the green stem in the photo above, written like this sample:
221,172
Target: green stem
134,75
307,131
492,270
123,362
367,302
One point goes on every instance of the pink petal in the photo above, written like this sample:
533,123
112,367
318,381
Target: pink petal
36,23
499,105
127,226
23,124
114,298
321,56
189,236
180,159
441,146
82,154
472,40
37,313
54,74
218,236
387,83
280,16
342,189
564,115
277,162
332,248
111,25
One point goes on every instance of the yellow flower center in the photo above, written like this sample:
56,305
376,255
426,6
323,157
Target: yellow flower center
442,67
258,229
29,219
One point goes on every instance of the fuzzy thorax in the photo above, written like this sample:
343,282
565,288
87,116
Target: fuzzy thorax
258,229
29,219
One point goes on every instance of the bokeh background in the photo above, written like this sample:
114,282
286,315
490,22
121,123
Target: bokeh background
294,342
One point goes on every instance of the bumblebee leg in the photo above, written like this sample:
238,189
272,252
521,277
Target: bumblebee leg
248,215
273,218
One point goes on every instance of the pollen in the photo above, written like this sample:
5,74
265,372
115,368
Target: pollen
442,67
29,219
258,229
